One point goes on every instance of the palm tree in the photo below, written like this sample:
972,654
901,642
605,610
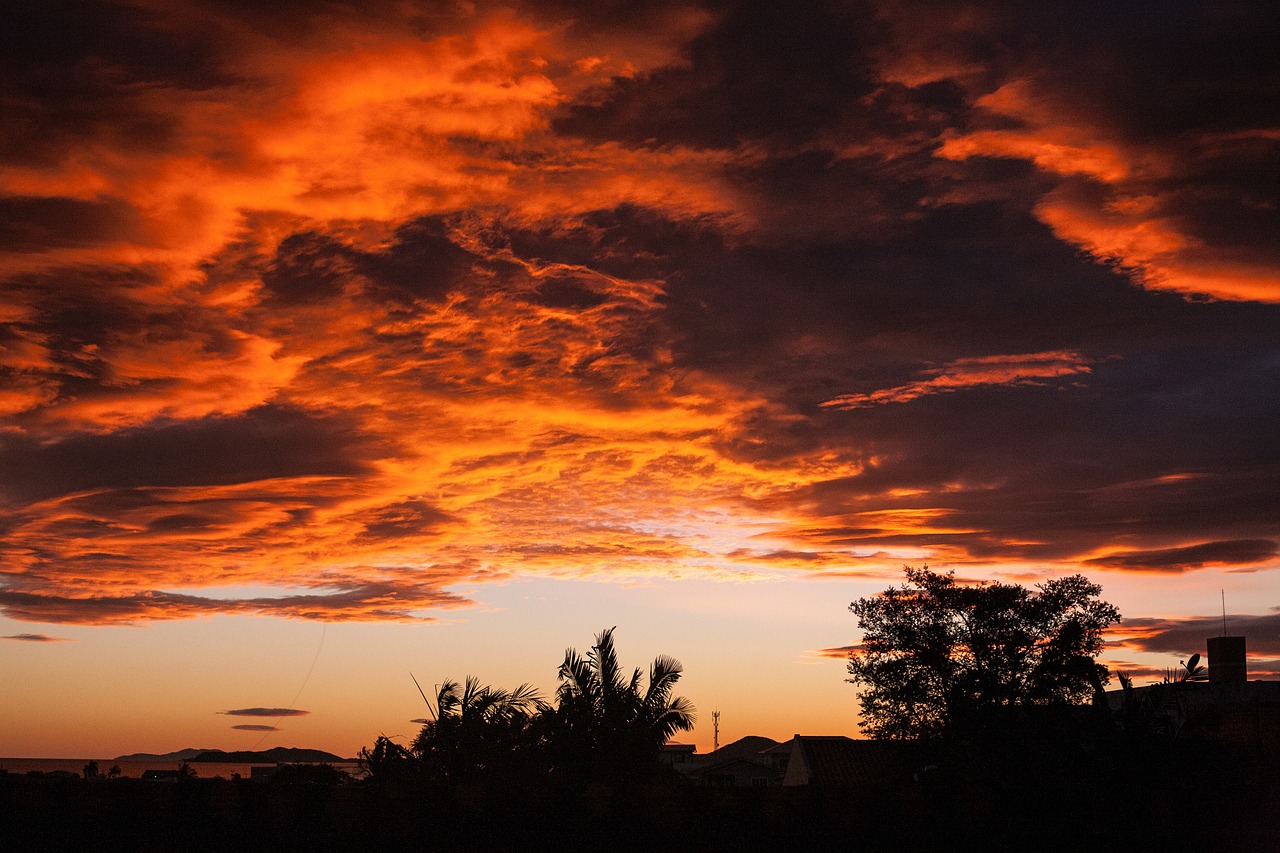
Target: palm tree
604,726
476,728
387,762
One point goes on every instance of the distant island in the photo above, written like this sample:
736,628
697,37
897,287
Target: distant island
180,755
276,755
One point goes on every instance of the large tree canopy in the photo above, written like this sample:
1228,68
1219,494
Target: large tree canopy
939,657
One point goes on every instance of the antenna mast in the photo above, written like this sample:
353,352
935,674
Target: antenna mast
1223,592
715,728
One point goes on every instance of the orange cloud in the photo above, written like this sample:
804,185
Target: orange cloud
1137,235
366,127
1122,216
1027,369
345,319
1240,552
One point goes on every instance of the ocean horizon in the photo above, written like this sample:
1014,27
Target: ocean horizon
133,769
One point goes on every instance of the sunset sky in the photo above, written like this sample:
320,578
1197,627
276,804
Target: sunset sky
343,341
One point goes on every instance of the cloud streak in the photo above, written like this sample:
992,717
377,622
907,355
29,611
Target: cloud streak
265,712
34,638
1011,370
1188,635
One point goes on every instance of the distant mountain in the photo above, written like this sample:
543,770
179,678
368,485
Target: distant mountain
748,747
276,755
180,755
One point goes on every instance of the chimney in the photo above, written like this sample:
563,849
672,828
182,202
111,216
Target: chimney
1226,660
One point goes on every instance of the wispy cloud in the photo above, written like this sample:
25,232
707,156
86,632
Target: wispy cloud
266,712
35,638
1188,635
250,727
837,652
1235,552
1028,369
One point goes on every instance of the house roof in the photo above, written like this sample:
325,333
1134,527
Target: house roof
838,760
746,763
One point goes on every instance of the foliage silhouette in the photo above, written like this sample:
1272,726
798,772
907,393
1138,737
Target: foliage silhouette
1161,710
1187,672
605,727
387,762
478,730
943,659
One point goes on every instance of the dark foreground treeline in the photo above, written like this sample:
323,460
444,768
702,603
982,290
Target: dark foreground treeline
1016,795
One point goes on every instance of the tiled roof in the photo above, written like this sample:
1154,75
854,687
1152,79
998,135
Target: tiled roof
844,761
756,765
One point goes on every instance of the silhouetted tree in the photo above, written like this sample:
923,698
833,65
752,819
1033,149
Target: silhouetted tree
939,657
313,775
605,726
1160,710
476,730
389,762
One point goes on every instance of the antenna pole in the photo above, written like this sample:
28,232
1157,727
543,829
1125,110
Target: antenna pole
715,728
424,697
1223,592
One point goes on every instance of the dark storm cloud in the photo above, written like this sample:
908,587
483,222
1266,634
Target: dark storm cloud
371,602
1236,551
266,443
1160,126
566,293
78,72
763,71
82,306
421,263
1186,67
308,268
37,224
407,518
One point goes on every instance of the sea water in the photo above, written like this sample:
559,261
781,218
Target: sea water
135,769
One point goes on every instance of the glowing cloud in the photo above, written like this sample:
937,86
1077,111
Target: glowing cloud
964,373
368,306
1238,552
1109,203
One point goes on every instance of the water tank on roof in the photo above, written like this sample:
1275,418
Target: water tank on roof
1226,660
